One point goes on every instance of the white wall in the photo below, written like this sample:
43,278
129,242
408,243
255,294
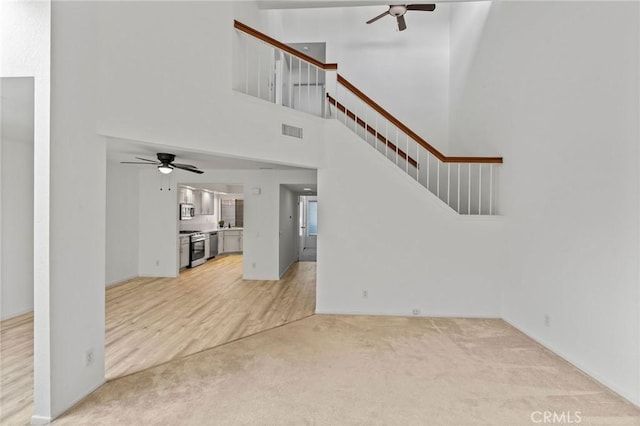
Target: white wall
16,158
121,261
554,87
406,72
77,210
381,232
168,81
25,31
158,238
288,227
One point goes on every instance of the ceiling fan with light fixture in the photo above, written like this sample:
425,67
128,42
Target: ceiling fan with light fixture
398,11
165,164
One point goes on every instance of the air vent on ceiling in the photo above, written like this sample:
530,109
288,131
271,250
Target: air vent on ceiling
295,132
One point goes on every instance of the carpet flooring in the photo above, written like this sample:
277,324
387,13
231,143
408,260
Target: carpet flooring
362,370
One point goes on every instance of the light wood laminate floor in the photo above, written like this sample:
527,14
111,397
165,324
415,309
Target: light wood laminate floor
150,321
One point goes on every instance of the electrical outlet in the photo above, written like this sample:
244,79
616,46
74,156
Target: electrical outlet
547,320
88,358
157,263
415,311
365,294
253,265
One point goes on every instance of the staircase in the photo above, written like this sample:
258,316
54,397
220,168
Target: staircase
269,69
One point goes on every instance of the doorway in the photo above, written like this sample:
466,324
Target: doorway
308,228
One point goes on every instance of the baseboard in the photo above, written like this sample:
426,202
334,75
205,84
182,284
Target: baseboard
286,269
41,420
122,281
24,312
406,314
570,360
79,399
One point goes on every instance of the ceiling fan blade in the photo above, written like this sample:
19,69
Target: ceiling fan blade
382,15
402,24
137,162
150,161
183,166
424,7
189,169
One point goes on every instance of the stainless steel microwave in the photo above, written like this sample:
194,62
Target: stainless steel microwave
187,211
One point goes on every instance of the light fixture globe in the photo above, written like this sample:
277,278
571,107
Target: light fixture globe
397,10
165,169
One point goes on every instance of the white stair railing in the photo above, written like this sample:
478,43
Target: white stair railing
272,71
469,185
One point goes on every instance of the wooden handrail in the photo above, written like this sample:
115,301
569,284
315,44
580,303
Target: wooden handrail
373,131
383,112
275,43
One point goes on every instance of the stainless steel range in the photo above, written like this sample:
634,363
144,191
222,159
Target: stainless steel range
196,248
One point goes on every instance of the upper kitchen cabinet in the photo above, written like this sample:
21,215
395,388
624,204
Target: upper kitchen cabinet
185,195
206,202
197,201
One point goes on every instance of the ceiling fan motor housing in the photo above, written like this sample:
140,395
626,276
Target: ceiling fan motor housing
397,10
165,158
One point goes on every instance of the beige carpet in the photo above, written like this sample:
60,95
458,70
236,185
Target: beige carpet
344,370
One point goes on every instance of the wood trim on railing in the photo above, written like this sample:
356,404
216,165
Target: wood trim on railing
372,131
275,43
364,98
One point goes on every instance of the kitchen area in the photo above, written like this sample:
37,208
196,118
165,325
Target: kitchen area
211,222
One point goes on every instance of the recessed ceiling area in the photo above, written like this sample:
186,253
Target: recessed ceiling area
127,150
302,189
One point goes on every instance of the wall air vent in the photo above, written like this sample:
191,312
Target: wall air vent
295,132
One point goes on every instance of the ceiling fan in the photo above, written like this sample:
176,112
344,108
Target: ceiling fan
398,11
165,164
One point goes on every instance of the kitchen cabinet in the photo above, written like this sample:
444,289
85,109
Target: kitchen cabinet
206,202
184,252
185,195
231,241
197,201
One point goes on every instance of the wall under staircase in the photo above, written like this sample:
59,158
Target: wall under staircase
384,233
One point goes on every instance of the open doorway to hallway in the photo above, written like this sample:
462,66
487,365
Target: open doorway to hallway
307,228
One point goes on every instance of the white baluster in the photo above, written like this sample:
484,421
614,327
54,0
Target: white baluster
299,105
459,189
376,131
491,188
469,194
290,81
259,67
428,173
246,61
438,177
316,87
448,182
418,162
308,88
397,143
407,154
479,188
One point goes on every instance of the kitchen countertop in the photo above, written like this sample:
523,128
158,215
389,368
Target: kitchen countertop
205,231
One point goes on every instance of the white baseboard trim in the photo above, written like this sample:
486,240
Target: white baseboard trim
595,376
406,314
26,311
121,281
41,420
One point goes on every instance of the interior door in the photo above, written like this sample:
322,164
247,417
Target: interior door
308,232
